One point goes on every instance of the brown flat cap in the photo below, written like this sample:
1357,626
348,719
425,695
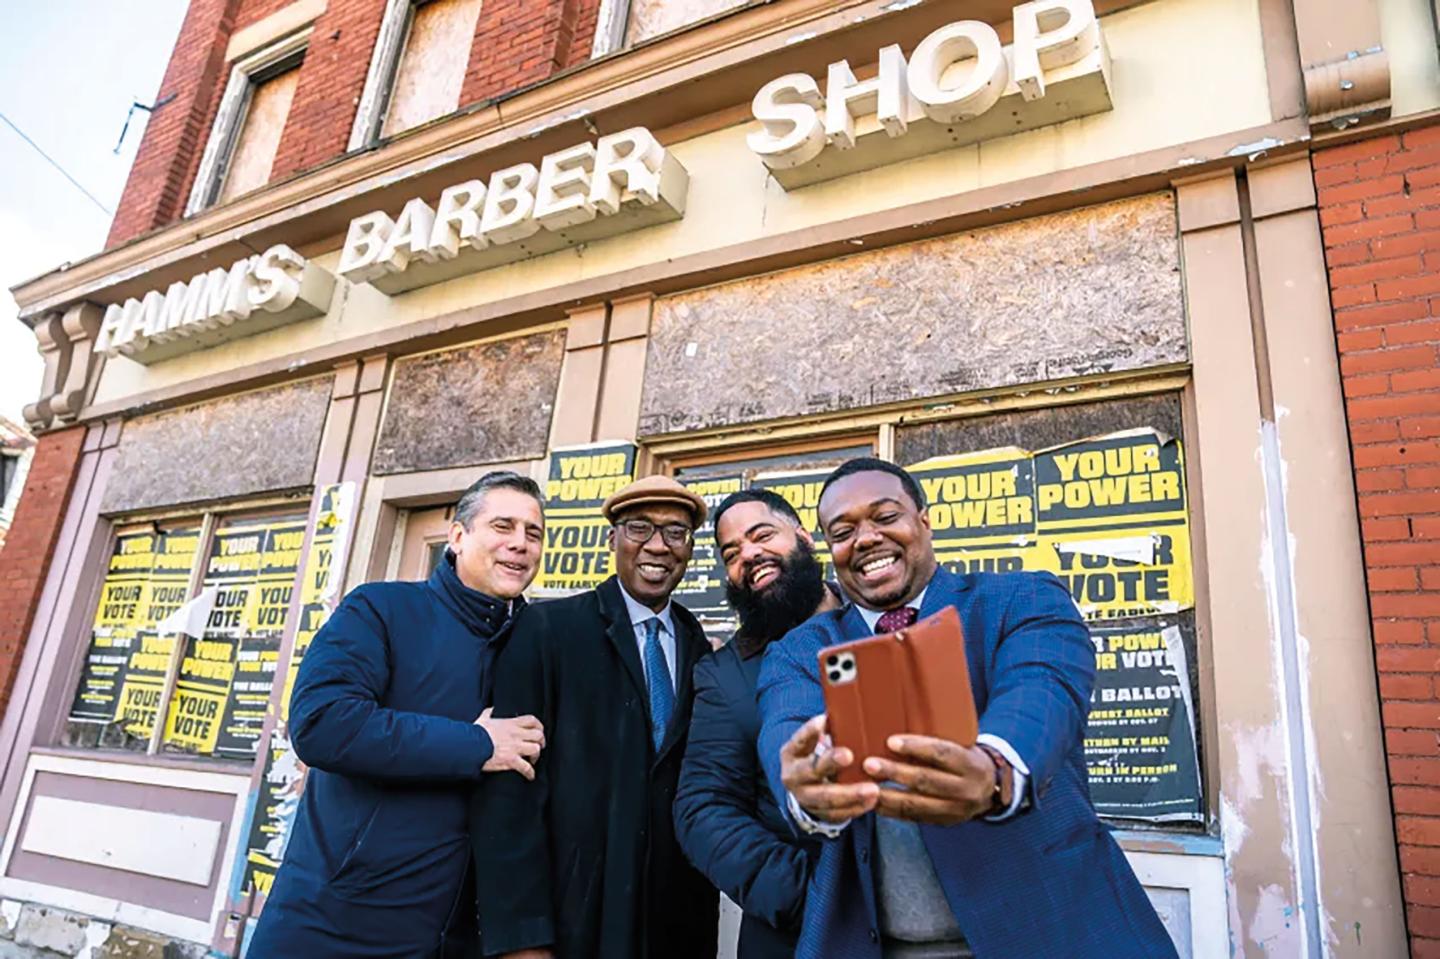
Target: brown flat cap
650,491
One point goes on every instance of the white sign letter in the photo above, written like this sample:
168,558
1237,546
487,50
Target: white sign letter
411,237
457,220
277,279
562,195
1051,34
885,95
631,157
968,46
363,244
508,204
787,109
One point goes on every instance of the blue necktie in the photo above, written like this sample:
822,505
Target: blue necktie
662,691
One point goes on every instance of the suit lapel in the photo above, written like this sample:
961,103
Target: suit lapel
852,624
944,590
621,634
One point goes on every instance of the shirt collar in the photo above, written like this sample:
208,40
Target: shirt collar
872,616
639,612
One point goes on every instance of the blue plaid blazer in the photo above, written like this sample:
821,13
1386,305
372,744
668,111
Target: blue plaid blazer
1050,882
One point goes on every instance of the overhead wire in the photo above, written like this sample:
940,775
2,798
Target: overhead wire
51,160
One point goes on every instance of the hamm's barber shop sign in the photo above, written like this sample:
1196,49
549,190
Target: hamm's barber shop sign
624,182
255,294
959,86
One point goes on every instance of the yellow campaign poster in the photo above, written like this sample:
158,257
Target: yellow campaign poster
283,780
801,490
1114,523
118,620
258,652
982,509
1108,515
577,553
165,592
318,591
702,590
207,669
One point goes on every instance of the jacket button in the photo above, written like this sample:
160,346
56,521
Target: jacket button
874,936
864,855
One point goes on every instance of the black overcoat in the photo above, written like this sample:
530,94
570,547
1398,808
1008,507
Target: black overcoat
584,859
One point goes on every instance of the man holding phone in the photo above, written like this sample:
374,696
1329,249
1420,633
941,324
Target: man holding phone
935,863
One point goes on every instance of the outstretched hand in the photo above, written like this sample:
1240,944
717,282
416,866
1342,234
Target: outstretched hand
808,769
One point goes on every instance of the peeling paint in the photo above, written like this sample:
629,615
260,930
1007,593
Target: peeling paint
1254,150
555,121
899,5
800,38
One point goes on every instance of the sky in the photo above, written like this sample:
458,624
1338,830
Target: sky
69,70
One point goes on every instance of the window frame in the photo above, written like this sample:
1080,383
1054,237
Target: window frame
380,77
210,519
246,74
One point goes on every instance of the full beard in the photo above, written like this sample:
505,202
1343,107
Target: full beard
786,601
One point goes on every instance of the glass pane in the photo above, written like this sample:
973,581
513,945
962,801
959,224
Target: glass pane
259,136
434,555
431,71
223,688
119,693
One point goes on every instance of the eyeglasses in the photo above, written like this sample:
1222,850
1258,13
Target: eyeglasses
640,530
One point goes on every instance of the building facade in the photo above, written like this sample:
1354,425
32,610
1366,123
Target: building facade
1142,289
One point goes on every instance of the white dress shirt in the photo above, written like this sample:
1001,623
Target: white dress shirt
639,613
1020,772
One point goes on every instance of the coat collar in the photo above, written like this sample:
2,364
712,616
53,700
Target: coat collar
483,614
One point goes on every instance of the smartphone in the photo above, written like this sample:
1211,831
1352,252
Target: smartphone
915,680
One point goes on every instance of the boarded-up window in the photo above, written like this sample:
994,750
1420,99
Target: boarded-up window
431,70
258,138
651,18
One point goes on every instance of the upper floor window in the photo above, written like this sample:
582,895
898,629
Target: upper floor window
9,469
624,23
240,154
418,69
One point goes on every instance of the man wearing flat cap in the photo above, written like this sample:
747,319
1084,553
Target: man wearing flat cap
581,862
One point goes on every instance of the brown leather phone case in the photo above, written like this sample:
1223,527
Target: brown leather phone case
914,681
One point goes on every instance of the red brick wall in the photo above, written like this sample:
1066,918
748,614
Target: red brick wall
25,557
521,42
169,154
1380,210
332,80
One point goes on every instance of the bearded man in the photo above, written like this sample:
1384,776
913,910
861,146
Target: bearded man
726,818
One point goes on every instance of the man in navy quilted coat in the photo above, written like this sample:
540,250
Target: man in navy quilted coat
391,713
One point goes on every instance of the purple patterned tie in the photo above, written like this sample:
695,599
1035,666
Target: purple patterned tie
896,619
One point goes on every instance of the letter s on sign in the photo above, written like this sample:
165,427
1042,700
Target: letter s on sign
277,279
788,110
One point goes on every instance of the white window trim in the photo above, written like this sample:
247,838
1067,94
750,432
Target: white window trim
610,25
231,116
384,63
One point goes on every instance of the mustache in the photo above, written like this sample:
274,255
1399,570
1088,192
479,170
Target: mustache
787,600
